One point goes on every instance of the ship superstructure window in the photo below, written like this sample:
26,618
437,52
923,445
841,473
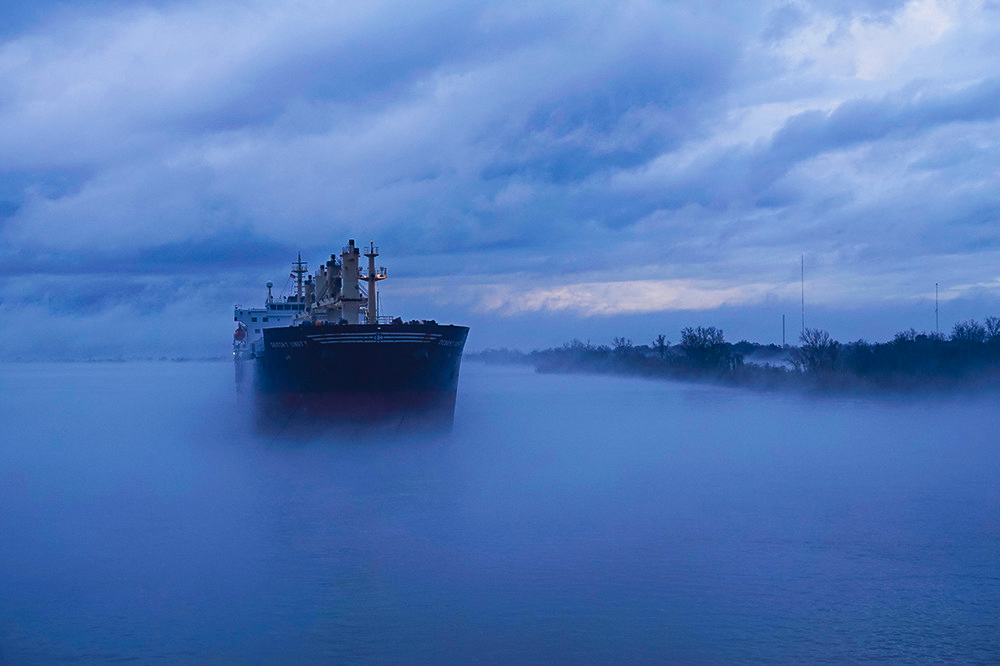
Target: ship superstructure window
265,318
253,318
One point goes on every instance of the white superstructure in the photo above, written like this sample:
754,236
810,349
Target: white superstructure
251,322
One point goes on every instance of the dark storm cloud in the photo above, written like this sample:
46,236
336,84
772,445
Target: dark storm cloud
588,108
857,121
222,251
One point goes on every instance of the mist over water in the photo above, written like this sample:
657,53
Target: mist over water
565,518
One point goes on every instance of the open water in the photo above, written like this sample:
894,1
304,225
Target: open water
566,519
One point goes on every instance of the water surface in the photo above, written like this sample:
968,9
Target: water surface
566,518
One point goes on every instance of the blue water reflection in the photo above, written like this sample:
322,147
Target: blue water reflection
565,518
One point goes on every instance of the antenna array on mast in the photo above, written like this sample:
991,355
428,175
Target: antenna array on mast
298,270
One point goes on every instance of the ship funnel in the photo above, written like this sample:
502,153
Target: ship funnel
350,297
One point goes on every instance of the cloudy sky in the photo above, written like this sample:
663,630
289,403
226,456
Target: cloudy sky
541,171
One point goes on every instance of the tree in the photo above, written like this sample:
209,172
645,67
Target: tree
816,352
623,347
993,328
969,331
660,345
705,347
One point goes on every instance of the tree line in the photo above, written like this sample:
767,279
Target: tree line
969,355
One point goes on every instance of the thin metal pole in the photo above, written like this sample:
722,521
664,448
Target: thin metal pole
782,330
937,324
803,258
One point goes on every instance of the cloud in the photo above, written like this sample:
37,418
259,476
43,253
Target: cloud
693,152
132,97
639,296
864,40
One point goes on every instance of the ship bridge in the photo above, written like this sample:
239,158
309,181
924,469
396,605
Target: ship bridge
251,322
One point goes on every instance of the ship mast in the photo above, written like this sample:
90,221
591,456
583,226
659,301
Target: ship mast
373,277
298,270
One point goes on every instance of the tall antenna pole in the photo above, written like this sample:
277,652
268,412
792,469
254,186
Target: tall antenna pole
782,330
372,279
298,270
803,259
937,325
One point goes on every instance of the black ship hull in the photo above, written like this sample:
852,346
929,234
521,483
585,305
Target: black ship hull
316,375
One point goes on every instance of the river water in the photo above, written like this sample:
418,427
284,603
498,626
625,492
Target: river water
566,518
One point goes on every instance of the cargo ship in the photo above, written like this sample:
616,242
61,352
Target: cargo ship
325,356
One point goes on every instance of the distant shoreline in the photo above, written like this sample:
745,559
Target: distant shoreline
968,359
